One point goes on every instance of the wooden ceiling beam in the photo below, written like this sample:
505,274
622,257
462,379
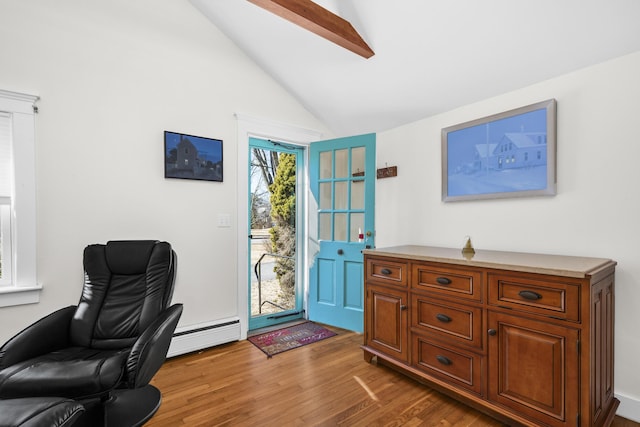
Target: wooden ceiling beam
320,21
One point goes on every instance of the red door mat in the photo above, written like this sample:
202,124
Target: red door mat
284,339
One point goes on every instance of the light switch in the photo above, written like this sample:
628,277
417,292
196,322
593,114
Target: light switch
224,220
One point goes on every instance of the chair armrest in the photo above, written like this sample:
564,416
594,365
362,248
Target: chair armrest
47,334
150,350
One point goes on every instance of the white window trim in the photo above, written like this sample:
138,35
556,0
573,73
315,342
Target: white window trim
24,288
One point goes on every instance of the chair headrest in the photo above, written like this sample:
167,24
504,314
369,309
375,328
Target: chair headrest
129,256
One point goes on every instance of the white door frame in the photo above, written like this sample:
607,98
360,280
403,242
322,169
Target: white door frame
250,126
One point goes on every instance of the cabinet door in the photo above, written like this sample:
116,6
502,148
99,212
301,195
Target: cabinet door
387,326
533,368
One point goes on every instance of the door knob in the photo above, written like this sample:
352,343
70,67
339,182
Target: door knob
340,251
492,332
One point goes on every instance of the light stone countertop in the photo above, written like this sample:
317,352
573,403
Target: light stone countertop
558,265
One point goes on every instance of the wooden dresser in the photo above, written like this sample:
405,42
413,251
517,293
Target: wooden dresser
526,338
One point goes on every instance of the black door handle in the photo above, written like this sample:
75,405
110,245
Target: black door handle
340,251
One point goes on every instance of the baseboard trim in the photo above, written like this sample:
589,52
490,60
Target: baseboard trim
629,408
192,338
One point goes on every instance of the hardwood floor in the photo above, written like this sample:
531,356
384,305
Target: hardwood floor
327,383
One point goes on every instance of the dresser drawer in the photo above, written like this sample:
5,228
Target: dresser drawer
453,282
560,300
449,364
387,272
458,322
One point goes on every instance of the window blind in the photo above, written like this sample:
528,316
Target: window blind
6,158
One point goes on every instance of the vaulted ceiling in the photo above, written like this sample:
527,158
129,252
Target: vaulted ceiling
431,56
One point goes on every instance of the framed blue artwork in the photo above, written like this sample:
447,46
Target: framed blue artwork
192,157
510,154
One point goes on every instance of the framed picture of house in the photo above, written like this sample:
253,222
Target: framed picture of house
192,157
510,154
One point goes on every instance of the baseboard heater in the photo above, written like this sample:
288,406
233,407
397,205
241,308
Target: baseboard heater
187,339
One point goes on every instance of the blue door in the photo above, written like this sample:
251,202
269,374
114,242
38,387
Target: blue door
275,238
343,189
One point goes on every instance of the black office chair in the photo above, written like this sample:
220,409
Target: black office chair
104,351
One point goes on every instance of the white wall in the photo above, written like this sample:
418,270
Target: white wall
112,76
595,213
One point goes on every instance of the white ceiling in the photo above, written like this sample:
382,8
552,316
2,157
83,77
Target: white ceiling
430,55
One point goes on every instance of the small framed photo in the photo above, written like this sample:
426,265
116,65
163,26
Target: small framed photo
510,154
192,157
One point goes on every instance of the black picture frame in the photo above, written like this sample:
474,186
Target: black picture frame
192,157
510,154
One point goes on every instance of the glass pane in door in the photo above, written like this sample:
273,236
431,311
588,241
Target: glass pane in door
342,163
325,195
357,194
357,227
326,165
325,226
357,161
340,198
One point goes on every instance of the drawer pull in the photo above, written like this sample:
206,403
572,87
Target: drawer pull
385,271
444,360
443,281
443,318
530,295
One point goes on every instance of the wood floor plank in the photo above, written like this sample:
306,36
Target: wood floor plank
323,384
